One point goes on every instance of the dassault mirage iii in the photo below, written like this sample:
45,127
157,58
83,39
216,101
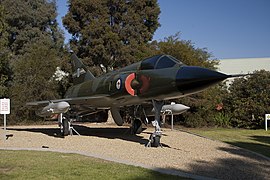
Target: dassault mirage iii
150,81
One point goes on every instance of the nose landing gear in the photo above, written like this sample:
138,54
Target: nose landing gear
154,139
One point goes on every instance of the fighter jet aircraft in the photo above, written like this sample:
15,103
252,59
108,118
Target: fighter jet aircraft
152,80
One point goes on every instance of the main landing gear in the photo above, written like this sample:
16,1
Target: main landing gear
136,128
65,125
154,139
137,120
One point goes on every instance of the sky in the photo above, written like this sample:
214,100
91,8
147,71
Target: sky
228,29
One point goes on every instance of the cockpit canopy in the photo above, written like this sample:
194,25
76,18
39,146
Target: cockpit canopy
159,62
155,62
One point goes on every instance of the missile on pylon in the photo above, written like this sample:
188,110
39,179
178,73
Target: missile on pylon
53,108
170,109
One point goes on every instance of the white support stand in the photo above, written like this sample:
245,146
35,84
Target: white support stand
60,122
172,122
167,111
71,129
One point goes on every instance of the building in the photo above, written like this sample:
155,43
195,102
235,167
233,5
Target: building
243,65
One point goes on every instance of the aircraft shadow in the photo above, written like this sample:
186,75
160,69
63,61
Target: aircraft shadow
55,132
109,133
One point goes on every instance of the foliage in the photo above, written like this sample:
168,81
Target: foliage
186,52
4,76
31,48
33,77
111,32
203,110
4,64
222,119
29,21
248,100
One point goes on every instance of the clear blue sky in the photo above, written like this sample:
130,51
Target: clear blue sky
227,28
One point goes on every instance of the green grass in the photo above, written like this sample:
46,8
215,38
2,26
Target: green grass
50,165
254,140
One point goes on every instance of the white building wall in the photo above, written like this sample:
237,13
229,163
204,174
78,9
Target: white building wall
243,65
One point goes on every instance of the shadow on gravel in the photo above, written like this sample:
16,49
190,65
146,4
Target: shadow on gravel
246,165
113,133
48,131
234,168
109,133
222,168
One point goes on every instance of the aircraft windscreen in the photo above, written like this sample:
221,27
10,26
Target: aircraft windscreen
176,60
150,62
159,62
165,62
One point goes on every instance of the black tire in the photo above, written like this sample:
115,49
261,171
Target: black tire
156,141
66,129
103,116
136,127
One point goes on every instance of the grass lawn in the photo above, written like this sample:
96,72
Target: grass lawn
254,140
51,165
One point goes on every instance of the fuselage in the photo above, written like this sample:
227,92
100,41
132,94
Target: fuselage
160,77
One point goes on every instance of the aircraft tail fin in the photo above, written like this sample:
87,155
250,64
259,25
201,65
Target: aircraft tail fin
79,70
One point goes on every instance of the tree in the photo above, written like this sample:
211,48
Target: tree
29,21
111,32
34,47
248,100
4,64
33,77
186,52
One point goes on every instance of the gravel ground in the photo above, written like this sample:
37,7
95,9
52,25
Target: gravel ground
182,152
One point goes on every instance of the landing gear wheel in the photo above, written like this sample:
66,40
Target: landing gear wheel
66,127
103,116
156,141
136,127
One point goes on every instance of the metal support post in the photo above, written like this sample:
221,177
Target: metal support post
172,121
5,127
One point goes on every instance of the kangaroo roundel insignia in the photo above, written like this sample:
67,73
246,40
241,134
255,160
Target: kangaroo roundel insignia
118,84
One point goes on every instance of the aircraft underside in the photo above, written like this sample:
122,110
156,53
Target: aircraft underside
136,115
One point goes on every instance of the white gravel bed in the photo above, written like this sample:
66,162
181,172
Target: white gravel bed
181,151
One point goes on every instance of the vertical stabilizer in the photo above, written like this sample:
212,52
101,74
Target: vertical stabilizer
79,71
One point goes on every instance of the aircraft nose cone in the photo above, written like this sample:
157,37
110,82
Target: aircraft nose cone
191,79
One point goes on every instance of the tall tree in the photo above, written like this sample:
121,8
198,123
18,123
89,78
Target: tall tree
33,77
29,21
4,64
111,32
35,48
